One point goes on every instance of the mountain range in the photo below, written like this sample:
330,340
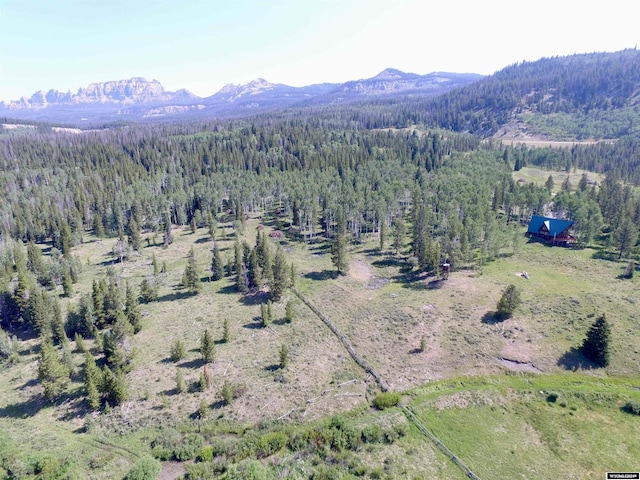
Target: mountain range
139,99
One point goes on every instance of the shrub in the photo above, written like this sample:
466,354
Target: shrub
632,407
386,400
372,434
147,468
206,454
552,397
271,442
178,350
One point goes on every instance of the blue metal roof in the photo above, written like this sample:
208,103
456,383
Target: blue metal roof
555,226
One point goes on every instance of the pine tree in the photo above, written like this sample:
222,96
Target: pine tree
207,347
382,233
134,234
178,350
279,282
156,267
508,302
227,393
181,385
115,343
92,381
217,268
149,289
114,386
596,344
289,312
339,247
284,356
264,315
191,278
53,375
254,277
132,309
292,275
226,331
67,284
399,233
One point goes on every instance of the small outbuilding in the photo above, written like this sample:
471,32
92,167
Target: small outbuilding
554,231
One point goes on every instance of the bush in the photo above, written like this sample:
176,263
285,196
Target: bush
271,443
632,407
372,434
386,400
147,468
552,397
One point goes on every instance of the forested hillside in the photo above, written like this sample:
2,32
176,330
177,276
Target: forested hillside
577,97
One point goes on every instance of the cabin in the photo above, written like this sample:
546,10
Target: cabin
554,231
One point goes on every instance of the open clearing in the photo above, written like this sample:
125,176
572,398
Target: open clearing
383,316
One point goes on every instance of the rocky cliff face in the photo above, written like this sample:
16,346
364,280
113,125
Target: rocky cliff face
133,91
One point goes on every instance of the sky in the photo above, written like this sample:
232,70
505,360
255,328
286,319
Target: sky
201,45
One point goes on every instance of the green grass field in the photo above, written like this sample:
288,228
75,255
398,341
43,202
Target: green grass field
495,422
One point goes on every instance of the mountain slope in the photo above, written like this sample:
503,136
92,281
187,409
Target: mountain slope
595,90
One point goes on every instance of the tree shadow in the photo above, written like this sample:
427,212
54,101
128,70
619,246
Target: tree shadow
25,409
389,262
257,324
203,240
255,298
195,363
602,254
170,297
574,360
435,283
415,351
281,321
323,275
29,383
492,317
228,289
272,368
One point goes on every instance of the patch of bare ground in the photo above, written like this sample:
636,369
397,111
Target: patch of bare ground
172,471
360,271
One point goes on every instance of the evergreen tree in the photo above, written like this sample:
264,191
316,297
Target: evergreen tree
92,381
207,347
227,393
596,344
284,356
549,183
289,312
508,302
116,344
226,331
292,275
132,309
625,237
149,289
114,386
217,268
156,267
67,284
279,282
178,350
382,233
52,373
134,234
57,325
191,278
181,385
339,247
254,278
264,314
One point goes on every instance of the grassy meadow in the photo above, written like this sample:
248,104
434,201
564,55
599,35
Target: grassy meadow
481,385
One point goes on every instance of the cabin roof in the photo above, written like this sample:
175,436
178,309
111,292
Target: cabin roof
555,226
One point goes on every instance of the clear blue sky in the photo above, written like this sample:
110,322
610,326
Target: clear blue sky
202,45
